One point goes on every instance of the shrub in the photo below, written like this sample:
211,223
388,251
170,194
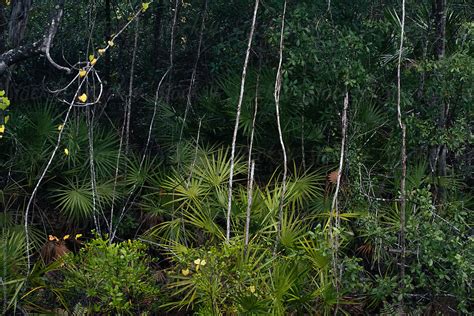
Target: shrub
110,277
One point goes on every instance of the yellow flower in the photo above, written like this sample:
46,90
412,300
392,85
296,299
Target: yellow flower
78,236
145,6
203,262
82,73
252,289
111,43
101,51
66,151
2,128
82,98
60,127
92,59
185,272
66,237
197,261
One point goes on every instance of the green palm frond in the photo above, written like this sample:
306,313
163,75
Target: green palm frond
75,199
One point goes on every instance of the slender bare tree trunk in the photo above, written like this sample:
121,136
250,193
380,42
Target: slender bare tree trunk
276,95
403,161
90,134
124,131
335,217
237,119
192,80
172,43
130,88
251,165
249,204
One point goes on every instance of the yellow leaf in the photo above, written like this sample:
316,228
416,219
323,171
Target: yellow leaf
2,128
66,151
145,6
82,73
66,237
111,43
203,262
91,57
101,51
78,236
7,118
60,127
82,98
93,61
197,261
185,272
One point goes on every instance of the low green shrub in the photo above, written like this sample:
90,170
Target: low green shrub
110,277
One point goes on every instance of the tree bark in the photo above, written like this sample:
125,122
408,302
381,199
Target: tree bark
18,20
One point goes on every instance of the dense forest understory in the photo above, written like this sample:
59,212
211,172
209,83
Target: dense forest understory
243,157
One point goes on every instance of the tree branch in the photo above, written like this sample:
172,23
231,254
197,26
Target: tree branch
41,46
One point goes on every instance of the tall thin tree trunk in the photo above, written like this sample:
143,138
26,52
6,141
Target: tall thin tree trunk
249,204
237,119
130,88
335,218
403,162
172,44
276,95
251,165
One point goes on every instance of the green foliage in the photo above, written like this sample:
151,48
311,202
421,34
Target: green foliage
110,277
170,187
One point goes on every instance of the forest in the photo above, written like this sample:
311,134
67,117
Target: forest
239,157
